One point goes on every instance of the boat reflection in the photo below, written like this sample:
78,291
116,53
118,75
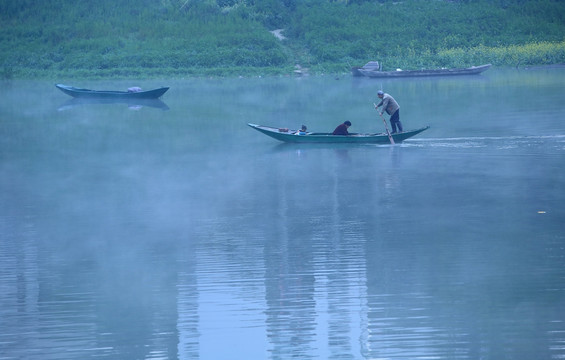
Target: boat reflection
134,104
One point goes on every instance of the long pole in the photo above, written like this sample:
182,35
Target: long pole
386,126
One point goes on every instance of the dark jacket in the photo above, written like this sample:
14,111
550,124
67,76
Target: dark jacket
341,129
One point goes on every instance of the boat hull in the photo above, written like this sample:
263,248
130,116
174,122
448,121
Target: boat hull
97,94
288,136
421,73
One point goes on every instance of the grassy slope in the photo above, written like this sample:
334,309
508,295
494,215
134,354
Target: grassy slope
147,38
415,34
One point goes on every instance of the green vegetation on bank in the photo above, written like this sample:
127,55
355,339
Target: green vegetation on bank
183,38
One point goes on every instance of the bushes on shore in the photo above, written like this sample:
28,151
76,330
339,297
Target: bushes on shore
127,38
415,34
538,53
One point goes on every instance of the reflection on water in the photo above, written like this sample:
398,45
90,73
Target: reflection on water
185,235
134,104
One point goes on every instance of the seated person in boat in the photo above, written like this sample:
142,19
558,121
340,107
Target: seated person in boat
302,131
341,129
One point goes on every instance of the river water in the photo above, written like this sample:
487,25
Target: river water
139,232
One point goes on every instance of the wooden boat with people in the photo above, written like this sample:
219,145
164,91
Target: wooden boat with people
131,93
293,136
369,70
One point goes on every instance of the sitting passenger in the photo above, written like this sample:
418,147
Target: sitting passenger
341,129
302,131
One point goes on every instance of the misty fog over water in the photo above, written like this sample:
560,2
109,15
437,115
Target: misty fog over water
172,230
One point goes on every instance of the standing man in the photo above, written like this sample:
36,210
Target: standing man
391,106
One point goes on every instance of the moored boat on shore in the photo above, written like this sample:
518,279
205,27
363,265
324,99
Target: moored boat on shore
375,73
132,93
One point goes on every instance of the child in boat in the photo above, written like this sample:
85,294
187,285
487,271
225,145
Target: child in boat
302,131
